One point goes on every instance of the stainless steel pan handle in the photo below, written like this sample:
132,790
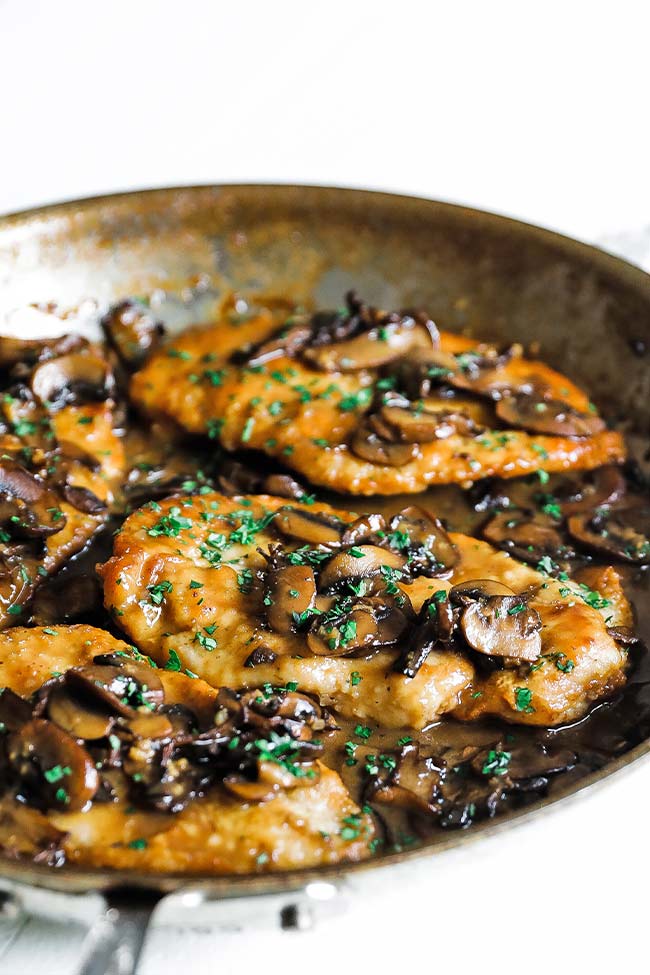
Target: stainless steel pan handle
114,942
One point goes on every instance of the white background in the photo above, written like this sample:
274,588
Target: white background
539,110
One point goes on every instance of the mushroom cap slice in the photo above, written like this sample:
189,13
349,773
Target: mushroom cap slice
547,416
27,506
289,593
384,342
528,537
358,562
365,625
15,711
121,689
464,593
76,377
133,332
623,533
368,445
53,770
307,526
503,626
413,425
424,540
82,718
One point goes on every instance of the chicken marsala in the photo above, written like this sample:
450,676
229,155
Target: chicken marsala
396,622
60,461
367,402
118,764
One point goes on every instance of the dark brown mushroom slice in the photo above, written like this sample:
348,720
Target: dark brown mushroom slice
27,352
368,445
17,586
26,832
363,530
75,378
289,593
414,425
287,341
547,416
526,535
283,486
260,656
465,593
363,626
435,628
133,332
503,626
424,541
411,785
77,714
15,711
52,769
358,562
622,533
121,689
153,726
314,528
28,509
84,500
594,489
376,346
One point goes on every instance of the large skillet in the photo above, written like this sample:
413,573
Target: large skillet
491,276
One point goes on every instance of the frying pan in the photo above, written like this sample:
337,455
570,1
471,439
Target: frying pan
489,276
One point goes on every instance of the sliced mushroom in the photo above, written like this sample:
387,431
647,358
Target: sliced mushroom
358,562
27,419
53,770
132,331
501,626
15,711
75,378
368,445
526,535
465,593
357,627
25,832
306,526
410,783
153,726
364,530
289,593
413,425
17,585
379,345
422,538
28,509
260,656
287,341
121,689
623,533
435,627
77,714
594,489
84,500
549,416
27,352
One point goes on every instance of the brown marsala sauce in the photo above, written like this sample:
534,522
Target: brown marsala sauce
612,728
608,731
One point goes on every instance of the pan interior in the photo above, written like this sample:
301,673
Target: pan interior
478,273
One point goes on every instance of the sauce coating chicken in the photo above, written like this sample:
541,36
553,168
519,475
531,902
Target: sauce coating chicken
88,729
61,463
370,403
395,622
